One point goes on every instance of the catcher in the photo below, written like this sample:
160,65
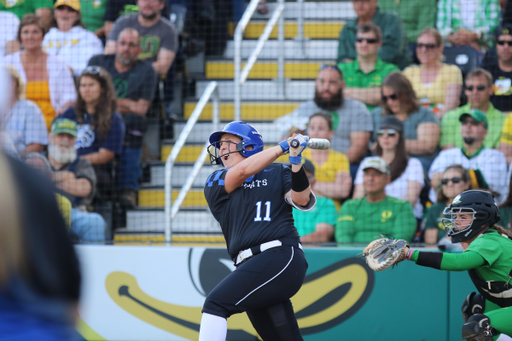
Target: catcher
487,257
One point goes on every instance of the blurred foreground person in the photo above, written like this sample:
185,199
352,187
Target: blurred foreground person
39,270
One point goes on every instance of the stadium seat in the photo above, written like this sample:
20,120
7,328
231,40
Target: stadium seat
465,57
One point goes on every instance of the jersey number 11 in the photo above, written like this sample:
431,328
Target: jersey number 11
258,212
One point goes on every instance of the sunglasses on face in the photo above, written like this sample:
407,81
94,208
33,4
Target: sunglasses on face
428,46
472,122
327,66
454,180
66,8
368,40
392,97
504,42
390,132
478,87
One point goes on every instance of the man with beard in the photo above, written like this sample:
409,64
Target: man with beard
157,35
487,167
76,179
352,122
135,83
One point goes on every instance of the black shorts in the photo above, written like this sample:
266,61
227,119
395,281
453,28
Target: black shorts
261,281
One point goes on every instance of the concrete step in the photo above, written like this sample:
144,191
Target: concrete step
179,175
202,130
313,49
313,10
186,221
313,29
154,197
250,111
223,69
262,90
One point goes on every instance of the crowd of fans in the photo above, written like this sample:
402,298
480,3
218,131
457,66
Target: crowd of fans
408,131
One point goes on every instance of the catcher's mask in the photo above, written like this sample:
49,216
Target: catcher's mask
481,211
249,135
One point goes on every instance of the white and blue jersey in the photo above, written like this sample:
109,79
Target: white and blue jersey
255,212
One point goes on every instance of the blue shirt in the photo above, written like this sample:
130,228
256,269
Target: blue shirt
88,140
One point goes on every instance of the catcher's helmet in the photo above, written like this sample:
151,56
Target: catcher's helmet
249,135
482,207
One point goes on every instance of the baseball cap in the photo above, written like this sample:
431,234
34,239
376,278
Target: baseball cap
377,163
74,4
505,29
390,121
477,116
309,166
64,125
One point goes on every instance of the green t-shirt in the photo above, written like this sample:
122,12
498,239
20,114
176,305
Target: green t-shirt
22,7
362,222
505,216
323,212
434,218
450,127
355,77
93,12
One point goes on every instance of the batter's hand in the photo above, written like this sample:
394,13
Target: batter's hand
298,143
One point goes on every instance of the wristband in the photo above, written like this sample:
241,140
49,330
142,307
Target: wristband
295,160
285,147
300,181
409,254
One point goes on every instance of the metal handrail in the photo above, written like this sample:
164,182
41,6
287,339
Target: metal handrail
171,211
241,76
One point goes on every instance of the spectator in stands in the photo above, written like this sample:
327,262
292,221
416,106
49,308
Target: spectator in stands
333,178
407,176
364,75
76,178
469,23
117,8
488,167
100,127
41,8
478,89
49,82
70,40
421,126
416,15
316,225
25,121
436,84
394,42
135,83
361,220
455,180
9,38
93,14
352,123
40,162
158,37
501,70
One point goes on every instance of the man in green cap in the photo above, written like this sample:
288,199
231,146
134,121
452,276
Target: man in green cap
77,180
478,89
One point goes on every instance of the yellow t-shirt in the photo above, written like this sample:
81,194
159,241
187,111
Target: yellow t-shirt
39,92
449,74
336,162
506,133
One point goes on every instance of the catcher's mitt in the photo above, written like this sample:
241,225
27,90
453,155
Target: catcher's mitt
384,252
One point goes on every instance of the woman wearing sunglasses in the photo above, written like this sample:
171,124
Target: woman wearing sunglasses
100,128
437,84
49,82
332,172
421,127
455,181
407,176
70,40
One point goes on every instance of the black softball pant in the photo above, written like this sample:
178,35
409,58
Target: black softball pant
262,286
